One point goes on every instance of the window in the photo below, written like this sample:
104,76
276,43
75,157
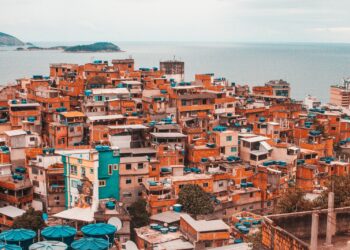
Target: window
233,149
221,184
80,161
139,180
262,157
74,184
128,166
127,195
35,170
83,173
71,129
181,186
91,170
32,138
35,183
207,243
205,184
140,166
102,183
128,181
251,195
229,138
73,170
183,102
110,169
115,167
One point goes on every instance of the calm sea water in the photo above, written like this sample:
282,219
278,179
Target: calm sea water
310,68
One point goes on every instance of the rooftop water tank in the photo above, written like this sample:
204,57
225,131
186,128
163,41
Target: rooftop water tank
48,245
90,243
177,208
100,230
20,237
4,246
62,233
110,205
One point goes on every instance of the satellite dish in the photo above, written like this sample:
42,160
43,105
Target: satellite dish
115,221
130,245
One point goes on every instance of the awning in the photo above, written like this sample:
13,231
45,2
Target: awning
76,213
265,145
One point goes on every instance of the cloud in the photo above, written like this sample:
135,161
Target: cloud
181,20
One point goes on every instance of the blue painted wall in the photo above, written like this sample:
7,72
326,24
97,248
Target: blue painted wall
107,157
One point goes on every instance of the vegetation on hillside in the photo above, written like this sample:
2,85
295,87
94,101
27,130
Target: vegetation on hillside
95,47
8,40
294,199
31,219
139,215
195,200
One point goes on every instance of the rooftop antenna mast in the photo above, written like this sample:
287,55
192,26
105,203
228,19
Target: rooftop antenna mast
346,82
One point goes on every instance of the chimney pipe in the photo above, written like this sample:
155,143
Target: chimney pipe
314,231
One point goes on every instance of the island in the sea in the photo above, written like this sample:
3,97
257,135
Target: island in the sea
8,40
95,47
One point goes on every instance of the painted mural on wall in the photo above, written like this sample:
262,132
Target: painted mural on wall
85,191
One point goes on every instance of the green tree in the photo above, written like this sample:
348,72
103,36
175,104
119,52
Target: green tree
256,240
341,188
31,219
293,200
139,215
195,200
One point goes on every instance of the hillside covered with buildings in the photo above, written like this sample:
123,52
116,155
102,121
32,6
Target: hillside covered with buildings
106,143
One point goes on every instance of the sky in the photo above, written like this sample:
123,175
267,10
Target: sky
177,20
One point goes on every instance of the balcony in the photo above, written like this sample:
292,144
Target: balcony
9,183
16,199
161,200
56,189
194,130
196,108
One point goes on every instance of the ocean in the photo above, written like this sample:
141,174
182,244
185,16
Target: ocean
309,68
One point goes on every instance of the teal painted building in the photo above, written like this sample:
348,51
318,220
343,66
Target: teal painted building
108,172
91,175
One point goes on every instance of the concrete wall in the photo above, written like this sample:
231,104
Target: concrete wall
293,231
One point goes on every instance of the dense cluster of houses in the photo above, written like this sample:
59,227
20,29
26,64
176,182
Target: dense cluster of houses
85,142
